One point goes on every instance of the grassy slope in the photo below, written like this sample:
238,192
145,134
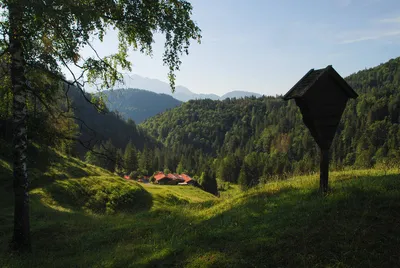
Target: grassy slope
284,223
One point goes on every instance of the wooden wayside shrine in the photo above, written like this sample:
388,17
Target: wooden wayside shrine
322,96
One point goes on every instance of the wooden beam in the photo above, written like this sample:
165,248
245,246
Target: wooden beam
324,171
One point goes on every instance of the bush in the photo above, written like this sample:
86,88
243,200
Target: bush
101,194
223,186
385,164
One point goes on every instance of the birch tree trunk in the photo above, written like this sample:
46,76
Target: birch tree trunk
21,237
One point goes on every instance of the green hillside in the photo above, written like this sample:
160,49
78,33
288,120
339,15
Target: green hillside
267,135
138,104
86,217
100,126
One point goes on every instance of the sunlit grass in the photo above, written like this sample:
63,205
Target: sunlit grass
279,224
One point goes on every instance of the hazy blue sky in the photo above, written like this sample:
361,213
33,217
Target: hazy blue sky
266,46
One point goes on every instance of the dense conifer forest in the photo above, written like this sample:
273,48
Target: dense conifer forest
264,137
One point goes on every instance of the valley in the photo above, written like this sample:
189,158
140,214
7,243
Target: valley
131,134
87,214
152,225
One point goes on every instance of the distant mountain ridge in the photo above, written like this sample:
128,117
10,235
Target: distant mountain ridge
138,104
239,94
181,93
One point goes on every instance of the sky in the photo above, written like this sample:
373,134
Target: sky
266,46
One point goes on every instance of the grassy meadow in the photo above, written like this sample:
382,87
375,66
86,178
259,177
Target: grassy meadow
83,216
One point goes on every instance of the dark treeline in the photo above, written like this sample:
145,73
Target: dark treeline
250,139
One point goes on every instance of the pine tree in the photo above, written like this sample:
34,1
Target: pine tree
180,169
109,156
119,163
130,158
245,177
208,182
145,162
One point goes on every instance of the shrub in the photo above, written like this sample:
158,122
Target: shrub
385,164
101,194
223,186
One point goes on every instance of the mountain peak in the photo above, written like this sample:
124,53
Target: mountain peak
181,93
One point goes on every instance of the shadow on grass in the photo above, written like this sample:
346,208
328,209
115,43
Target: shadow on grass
44,167
100,195
43,161
357,225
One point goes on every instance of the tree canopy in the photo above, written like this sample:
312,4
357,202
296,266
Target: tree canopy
39,38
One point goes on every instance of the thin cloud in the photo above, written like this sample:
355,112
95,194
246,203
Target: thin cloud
390,20
371,36
377,29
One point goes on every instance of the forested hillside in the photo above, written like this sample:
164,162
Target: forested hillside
98,125
74,125
138,104
256,138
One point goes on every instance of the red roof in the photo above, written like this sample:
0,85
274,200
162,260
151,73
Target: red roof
172,176
159,176
186,177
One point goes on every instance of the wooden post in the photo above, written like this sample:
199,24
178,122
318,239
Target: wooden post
324,171
322,96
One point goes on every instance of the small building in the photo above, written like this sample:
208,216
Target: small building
187,180
179,178
174,179
162,179
145,179
172,176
